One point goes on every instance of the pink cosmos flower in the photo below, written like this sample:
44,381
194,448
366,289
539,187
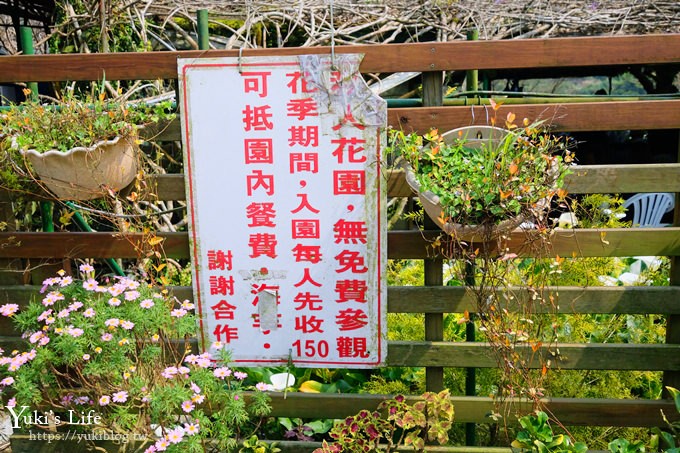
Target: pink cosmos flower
12,402
146,303
114,302
86,268
89,313
222,372
104,400
162,444
188,406
75,332
120,397
187,305
176,435
116,290
112,322
65,281
198,398
7,381
44,315
130,283
86,357
64,313
195,388
75,306
127,325
36,336
169,372
9,309
264,387
107,337
191,429
178,312
240,375
90,284
131,295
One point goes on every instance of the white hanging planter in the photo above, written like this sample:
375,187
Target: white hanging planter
475,137
87,173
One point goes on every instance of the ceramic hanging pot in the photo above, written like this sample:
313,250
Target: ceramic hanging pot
475,137
87,173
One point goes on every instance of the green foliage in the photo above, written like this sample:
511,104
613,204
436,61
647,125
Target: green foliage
503,179
255,445
118,33
119,348
393,424
599,211
668,440
537,436
74,122
625,446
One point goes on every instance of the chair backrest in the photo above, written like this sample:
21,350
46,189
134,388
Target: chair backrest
649,208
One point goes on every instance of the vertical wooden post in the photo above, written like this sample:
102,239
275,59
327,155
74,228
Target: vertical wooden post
434,322
672,378
471,85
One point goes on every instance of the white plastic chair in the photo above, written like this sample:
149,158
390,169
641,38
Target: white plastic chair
649,208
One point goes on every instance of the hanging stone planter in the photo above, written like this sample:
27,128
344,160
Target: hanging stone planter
87,173
476,137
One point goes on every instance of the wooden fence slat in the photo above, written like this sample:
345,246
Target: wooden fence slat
456,299
576,243
579,243
627,178
612,300
567,117
419,57
586,116
591,356
475,409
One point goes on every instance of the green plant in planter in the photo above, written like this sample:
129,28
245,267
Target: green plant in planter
393,424
115,357
537,436
82,132
668,440
486,176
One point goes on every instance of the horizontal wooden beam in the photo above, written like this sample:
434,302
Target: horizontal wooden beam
587,356
451,299
457,299
569,411
575,243
591,356
419,57
586,116
401,244
629,178
568,300
565,117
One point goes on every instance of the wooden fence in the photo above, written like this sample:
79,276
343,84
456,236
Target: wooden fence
572,55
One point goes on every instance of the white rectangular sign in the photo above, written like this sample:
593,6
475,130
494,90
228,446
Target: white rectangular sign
286,205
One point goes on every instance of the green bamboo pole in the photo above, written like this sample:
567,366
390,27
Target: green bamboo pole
83,225
26,42
203,30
